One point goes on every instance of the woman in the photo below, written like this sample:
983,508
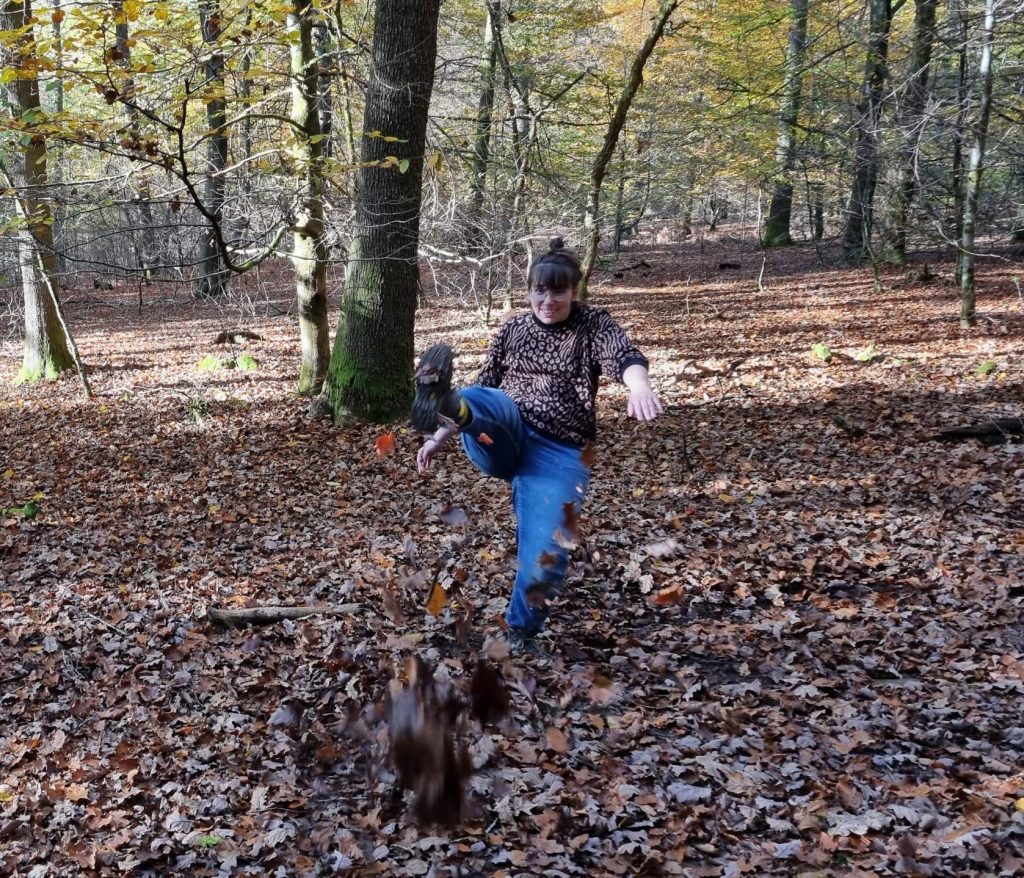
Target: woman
530,417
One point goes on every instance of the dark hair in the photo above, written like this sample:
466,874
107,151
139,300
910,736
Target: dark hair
557,269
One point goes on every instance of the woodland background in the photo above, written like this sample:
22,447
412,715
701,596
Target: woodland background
793,641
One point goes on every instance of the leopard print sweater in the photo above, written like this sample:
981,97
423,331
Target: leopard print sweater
551,372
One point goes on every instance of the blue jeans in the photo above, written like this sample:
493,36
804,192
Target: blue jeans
545,474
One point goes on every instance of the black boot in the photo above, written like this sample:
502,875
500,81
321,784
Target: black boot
434,397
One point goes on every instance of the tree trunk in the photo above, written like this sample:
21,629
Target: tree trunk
975,166
776,229
817,210
326,52
1018,225
309,246
860,208
370,372
592,214
482,140
912,123
689,182
213,280
958,13
46,345
146,250
524,132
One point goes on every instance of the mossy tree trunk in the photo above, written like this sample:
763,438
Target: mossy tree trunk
309,246
776,228
371,363
46,346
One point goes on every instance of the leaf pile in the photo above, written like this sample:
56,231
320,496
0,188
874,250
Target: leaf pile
785,648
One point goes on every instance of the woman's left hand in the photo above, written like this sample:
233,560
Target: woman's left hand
644,404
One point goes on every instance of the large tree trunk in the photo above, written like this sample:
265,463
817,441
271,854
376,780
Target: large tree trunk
482,137
309,247
592,213
911,126
776,229
213,279
975,166
46,345
370,373
146,247
860,208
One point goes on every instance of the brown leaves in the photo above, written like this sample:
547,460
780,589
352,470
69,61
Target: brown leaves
490,698
420,729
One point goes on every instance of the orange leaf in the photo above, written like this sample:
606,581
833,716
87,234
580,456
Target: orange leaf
437,599
384,445
588,455
557,740
484,439
668,597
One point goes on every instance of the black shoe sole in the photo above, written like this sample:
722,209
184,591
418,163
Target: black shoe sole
433,380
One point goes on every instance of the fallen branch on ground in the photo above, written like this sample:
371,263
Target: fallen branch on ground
269,615
995,430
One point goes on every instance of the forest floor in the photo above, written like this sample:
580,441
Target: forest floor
792,645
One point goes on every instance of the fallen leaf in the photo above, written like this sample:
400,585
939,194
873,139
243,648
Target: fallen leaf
484,439
557,740
385,444
436,600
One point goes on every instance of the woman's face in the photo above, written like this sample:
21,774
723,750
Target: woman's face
551,306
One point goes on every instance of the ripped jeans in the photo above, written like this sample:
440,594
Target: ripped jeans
545,475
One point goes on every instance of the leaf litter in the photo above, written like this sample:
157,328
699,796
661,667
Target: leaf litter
783,648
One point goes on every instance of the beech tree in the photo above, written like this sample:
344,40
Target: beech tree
860,206
599,168
776,230
910,127
978,128
47,353
370,373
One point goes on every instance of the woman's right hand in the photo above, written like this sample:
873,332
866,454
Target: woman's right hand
433,445
426,453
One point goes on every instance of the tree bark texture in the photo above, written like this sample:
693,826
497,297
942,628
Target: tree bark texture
860,207
46,352
776,229
213,277
482,138
592,212
309,243
146,247
975,166
911,126
370,373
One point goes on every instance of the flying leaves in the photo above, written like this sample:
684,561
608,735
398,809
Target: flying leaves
385,444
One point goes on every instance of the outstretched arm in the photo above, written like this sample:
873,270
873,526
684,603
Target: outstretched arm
644,404
433,445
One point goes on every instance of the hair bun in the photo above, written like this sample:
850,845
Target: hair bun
555,244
